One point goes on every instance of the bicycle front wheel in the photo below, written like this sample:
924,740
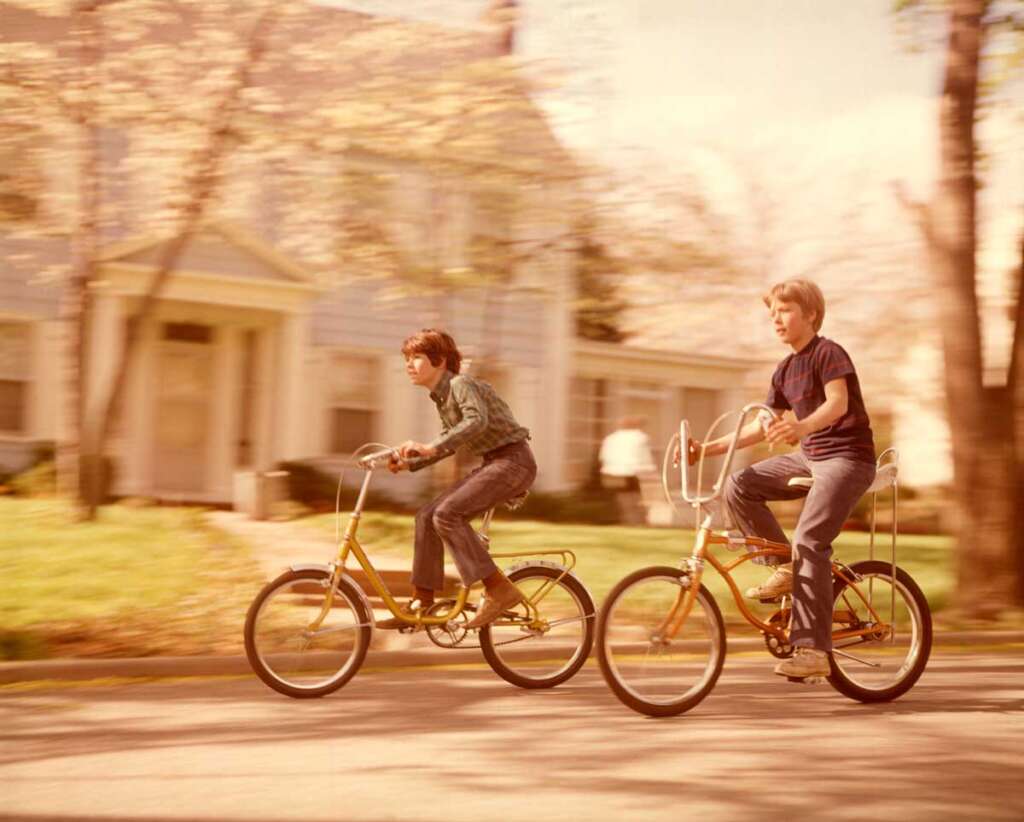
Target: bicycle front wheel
551,650
647,669
294,649
879,665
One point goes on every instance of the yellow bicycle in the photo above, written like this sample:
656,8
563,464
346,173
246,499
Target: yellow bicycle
308,631
660,634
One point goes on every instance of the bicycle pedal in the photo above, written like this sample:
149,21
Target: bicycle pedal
807,680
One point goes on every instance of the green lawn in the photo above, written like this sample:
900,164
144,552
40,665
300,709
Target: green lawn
605,554
137,580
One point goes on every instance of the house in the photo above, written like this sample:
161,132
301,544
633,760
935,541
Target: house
252,358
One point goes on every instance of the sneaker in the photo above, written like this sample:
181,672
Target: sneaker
496,602
805,662
779,583
410,608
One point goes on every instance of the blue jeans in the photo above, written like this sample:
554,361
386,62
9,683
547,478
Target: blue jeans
838,484
507,472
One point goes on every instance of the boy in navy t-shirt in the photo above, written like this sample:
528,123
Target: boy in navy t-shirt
819,385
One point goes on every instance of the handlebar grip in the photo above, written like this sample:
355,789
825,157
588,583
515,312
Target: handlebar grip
370,460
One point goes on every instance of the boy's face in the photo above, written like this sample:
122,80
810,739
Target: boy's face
792,325
422,371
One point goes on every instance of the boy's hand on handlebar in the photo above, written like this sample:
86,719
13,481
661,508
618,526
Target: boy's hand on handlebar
692,453
397,465
785,431
693,449
411,448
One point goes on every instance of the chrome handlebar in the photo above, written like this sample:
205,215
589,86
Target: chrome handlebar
765,414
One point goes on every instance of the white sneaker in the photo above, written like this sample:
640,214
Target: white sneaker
779,583
805,662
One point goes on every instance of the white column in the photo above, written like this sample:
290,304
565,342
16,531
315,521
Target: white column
47,370
146,405
552,442
224,412
266,388
292,420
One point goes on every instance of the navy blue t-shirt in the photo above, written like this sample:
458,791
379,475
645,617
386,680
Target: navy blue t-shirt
799,384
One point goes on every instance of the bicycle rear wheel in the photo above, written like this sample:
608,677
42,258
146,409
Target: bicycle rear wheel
546,654
293,654
882,665
648,671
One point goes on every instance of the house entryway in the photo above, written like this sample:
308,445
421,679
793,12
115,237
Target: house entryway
184,388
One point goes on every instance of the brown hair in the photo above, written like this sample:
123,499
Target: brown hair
437,345
804,293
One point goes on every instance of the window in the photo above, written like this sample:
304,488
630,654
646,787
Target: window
352,402
20,179
15,361
188,332
651,402
588,423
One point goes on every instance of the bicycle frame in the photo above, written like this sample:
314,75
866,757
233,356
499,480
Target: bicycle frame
706,537
349,546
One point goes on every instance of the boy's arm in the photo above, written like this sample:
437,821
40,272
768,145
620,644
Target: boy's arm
750,434
837,401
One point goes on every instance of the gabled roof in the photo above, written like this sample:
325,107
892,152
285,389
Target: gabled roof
220,249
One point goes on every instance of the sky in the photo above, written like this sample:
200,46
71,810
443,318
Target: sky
821,99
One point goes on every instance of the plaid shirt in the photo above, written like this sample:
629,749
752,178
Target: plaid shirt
473,416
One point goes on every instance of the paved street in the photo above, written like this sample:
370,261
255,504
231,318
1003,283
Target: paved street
459,743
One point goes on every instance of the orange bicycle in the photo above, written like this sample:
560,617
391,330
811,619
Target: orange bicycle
661,637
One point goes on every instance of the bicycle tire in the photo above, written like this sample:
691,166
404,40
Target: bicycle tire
277,641
556,656
634,659
882,669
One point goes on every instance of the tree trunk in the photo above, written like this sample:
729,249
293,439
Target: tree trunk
980,420
76,301
96,427
1015,398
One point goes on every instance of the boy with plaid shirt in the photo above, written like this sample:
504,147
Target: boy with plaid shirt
475,418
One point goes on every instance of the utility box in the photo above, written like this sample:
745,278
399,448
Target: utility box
255,493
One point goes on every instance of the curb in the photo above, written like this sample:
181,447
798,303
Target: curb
200,666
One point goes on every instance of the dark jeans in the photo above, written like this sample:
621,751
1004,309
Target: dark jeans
838,484
506,472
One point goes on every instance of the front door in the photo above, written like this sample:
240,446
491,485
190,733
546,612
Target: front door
182,414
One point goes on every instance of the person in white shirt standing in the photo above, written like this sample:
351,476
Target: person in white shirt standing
625,457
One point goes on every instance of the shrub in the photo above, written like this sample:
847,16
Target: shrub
316,489
594,506
38,481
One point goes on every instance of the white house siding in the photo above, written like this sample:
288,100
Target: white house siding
32,306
